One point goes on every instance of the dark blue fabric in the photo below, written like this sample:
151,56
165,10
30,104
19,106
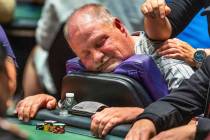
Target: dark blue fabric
142,68
4,41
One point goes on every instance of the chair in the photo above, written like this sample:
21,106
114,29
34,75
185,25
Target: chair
107,88
59,53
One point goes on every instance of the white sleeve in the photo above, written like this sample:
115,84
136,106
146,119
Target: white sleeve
48,26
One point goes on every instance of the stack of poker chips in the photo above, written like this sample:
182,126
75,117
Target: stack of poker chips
51,126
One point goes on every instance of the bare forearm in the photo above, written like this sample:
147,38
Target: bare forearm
157,28
11,70
31,85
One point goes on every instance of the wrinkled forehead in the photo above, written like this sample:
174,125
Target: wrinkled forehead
83,30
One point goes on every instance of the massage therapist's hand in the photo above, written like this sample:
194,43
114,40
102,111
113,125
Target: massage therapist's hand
143,129
28,107
155,9
177,49
104,121
186,132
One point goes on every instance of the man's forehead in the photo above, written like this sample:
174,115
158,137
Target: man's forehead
83,30
88,28
81,19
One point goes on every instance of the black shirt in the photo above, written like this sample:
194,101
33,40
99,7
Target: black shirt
183,103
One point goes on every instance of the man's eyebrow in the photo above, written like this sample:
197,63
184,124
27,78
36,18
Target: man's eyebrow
98,37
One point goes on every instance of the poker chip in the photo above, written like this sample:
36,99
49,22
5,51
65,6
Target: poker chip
40,126
58,128
48,124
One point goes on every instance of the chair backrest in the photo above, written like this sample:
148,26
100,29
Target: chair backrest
108,88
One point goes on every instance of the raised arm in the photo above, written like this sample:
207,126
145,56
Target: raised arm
164,20
156,24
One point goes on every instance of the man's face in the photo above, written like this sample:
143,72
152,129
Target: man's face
101,47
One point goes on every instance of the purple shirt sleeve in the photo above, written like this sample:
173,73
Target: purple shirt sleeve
143,69
5,43
74,65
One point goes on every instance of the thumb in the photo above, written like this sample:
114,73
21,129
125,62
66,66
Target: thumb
51,103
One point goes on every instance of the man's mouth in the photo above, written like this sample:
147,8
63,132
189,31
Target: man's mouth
103,65
109,65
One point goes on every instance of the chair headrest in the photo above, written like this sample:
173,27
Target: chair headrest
107,88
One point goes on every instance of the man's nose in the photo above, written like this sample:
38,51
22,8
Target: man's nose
97,56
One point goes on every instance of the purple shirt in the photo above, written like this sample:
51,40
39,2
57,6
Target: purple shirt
142,68
4,41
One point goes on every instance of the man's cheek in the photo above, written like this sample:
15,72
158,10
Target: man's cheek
89,66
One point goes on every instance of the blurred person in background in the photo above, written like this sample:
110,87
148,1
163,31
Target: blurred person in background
11,63
8,131
7,8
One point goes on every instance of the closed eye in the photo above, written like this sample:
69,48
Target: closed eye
101,41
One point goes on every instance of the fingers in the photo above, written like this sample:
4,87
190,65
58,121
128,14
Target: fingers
19,110
161,6
109,125
170,51
97,123
103,122
94,125
34,109
167,44
175,48
105,125
171,43
147,10
26,110
155,8
28,107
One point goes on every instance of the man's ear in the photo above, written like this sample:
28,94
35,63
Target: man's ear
119,25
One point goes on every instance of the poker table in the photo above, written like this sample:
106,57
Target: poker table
77,127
